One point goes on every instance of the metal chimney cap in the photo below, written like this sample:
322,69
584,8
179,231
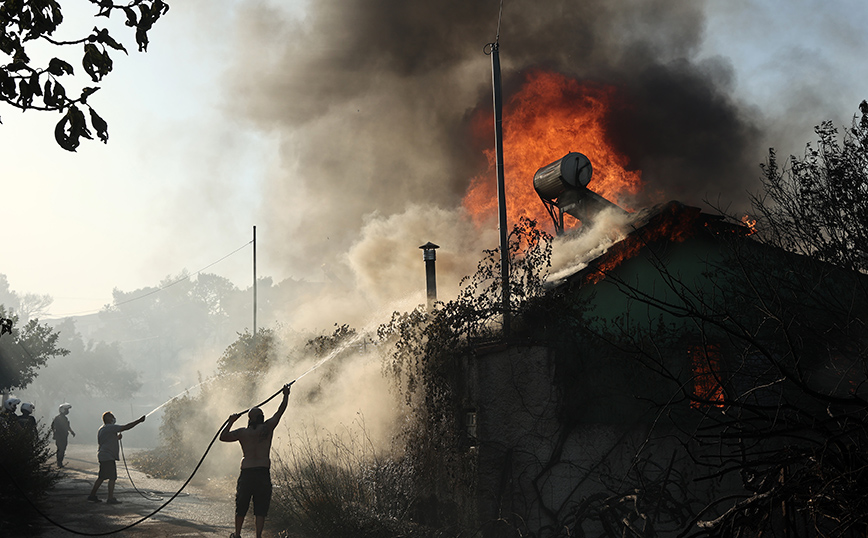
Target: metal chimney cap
429,254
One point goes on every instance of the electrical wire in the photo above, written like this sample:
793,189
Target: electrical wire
170,284
161,288
499,18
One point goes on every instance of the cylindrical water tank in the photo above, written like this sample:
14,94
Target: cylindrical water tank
572,171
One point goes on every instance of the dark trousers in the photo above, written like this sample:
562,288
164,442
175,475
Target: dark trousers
61,448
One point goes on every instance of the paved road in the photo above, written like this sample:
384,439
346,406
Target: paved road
204,509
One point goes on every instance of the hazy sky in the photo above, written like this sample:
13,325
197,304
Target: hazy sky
212,132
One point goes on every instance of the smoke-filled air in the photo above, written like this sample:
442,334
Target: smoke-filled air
382,112
384,107
381,115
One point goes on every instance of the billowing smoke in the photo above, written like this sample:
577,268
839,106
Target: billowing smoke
372,99
374,105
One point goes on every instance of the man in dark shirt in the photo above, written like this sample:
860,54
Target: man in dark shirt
61,428
255,478
109,452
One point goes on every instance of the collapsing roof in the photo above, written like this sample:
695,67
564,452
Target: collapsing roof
672,222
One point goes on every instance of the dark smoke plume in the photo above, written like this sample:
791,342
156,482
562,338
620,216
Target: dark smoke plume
372,100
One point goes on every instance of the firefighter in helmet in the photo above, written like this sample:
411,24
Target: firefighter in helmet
60,429
8,415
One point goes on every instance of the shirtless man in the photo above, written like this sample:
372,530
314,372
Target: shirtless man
255,478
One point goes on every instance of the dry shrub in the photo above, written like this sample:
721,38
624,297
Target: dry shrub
340,486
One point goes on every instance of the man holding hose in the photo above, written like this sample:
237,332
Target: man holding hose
108,438
255,478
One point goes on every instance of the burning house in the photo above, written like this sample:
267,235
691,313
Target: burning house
657,375
556,427
663,378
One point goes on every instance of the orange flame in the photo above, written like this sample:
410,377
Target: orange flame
750,224
706,363
549,117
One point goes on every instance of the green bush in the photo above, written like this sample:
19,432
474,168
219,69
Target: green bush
171,459
25,472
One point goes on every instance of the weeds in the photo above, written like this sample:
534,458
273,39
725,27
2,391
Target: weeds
340,486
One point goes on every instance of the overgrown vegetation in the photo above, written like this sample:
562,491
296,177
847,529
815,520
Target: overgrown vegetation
341,485
431,349
25,473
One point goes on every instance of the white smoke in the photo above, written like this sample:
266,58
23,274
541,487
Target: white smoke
572,252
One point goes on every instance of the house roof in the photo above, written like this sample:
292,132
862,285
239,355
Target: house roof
672,222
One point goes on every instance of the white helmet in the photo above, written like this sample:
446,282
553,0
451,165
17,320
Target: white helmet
11,403
28,408
64,407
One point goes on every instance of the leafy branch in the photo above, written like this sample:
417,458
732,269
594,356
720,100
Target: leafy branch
26,86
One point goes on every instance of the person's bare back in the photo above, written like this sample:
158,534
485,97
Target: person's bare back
256,445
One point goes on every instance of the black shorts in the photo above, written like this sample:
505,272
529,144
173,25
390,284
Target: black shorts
253,482
108,470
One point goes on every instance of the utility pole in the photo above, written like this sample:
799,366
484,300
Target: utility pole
501,195
254,285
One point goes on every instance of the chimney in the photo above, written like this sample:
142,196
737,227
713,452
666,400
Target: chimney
429,255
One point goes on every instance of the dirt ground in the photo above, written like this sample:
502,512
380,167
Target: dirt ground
203,509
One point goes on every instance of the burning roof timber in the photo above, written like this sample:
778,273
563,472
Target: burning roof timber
672,222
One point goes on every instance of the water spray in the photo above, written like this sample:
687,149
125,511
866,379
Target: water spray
352,341
185,391
331,355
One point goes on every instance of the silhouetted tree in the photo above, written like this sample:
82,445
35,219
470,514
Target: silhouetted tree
90,370
24,351
27,306
26,85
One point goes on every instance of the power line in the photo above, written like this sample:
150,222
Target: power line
161,288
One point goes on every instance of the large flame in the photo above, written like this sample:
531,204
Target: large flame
549,117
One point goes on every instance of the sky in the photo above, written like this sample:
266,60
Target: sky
336,127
